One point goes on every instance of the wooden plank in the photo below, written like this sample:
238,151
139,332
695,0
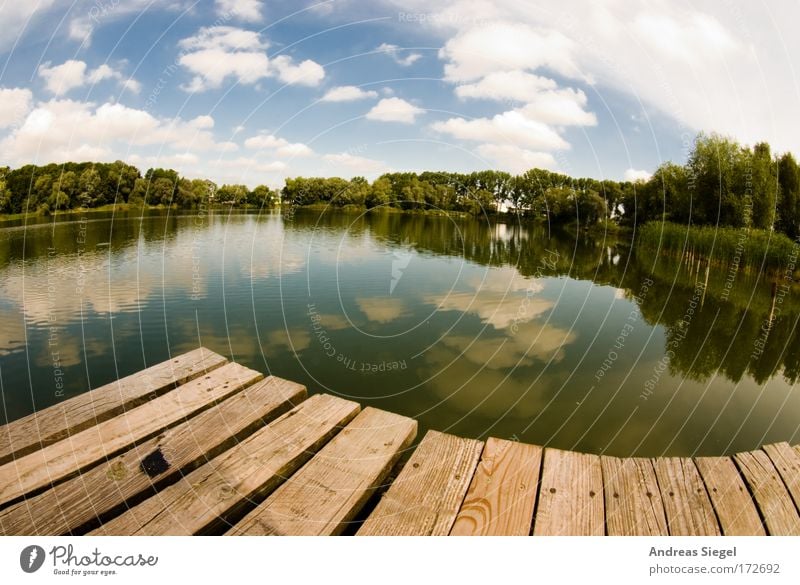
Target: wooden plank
686,503
570,495
633,502
427,494
771,496
220,492
736,511
57,422
331,489
79,451
787,462
136,472
502,495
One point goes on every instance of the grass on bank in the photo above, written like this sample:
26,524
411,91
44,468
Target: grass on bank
751,250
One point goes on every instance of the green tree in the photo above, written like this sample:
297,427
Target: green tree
765,186
789,181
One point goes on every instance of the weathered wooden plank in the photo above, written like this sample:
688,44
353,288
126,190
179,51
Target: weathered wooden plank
331,489
736,511
787,462
769,492
686,503
425,497
57,422
502,495
217,494
78,452
633,502
109,486
570,495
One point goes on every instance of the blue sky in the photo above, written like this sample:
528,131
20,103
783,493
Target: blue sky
250,91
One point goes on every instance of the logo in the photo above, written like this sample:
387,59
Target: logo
399,264
31,558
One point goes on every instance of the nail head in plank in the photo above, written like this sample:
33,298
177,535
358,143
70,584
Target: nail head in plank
570,495
736,511
633,501
425,497
787,462
108,486
687,506
769,492
502,494
71,416
78,452
221,491
327,493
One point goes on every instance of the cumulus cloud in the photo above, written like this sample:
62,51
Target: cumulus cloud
278,146
71,74
511,127
218,53
15,103
358,164
515,159
506,85
394,52
636,176
246,10
394,110
64,130
347,93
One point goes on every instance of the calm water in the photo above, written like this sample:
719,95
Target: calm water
506,330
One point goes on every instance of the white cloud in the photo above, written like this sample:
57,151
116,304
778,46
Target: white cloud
218,53
560,107
636,176
511,127
60,79
506,85
347,93
515,159
279,146
393,51
394,110
15,103
306,73
505,46
16,16
247,10
359,164
63,130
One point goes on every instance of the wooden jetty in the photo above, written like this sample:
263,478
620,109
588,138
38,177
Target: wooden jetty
201,445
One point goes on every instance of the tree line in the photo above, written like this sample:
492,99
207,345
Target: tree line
723,183
56,187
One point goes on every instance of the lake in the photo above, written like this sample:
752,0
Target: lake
472,326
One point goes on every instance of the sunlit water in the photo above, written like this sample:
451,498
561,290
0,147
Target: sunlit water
474,328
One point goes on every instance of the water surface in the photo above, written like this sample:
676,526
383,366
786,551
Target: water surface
472,327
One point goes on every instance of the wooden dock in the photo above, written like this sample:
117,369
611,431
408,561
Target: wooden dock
200,445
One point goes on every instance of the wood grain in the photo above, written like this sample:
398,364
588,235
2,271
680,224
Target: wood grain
502,495
331,489
771,496
57,422
153,463
633,500
787,461
736,511
686,503
78,452
216,495
428,492
570,495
